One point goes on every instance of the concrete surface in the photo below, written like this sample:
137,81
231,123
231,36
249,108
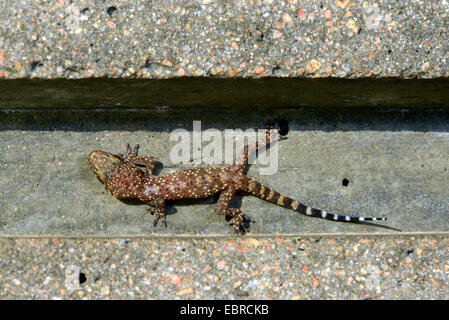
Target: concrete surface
396,163
77,76
150,39
225,268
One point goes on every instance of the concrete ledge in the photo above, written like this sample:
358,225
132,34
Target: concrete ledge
395,162
207,38
186,93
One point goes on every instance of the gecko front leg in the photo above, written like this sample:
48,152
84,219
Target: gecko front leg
157,207
132,156
238,218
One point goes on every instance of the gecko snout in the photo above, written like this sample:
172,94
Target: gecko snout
102,163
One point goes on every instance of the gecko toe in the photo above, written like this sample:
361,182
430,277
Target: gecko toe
158,215
136,149
239,221
132,151
164,222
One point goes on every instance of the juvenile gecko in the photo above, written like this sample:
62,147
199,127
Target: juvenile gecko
124,179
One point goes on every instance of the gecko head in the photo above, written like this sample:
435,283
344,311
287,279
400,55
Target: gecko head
103,163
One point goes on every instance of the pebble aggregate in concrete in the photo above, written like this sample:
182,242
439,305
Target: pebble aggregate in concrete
225,268
150,39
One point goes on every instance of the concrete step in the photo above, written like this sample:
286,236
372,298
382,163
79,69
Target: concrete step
396,164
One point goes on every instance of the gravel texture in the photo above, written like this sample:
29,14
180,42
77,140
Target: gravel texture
225,268
395,160
150,39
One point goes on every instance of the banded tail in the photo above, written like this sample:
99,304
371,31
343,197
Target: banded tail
259,190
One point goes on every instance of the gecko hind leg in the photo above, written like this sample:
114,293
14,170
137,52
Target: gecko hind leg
157,207
272,135
238,219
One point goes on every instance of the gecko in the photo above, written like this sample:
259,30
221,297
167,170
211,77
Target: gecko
123,178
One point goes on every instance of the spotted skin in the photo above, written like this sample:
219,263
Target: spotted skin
124,179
